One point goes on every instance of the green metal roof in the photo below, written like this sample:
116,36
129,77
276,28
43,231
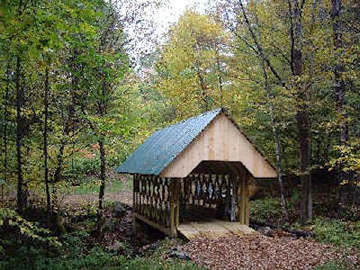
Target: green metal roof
162,147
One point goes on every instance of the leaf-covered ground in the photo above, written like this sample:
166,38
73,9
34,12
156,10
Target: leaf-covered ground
263,252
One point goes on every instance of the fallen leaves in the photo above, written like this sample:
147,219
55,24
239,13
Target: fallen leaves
262,252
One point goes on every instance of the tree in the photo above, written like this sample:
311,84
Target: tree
192,66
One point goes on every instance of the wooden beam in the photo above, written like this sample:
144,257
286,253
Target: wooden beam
152,224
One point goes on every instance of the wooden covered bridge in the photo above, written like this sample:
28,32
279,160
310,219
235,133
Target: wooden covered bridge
195,172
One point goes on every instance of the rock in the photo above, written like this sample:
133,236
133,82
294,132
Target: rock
150,247
119,209
265,230
179,254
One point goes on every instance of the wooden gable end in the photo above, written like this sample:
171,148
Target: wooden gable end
220,141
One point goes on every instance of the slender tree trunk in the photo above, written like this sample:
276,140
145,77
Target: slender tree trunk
258,45
220,79
60,156
102,172
5,134
21,188
277,143
336,7
204,94
46,115
60,161
100,219
339,83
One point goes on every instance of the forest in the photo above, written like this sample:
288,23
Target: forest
84,82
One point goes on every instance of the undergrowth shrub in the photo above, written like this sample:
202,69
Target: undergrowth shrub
337,232
14,228
22,241
266,210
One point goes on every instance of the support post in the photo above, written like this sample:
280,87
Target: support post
247,201
178,191
135,184
243,206
174,206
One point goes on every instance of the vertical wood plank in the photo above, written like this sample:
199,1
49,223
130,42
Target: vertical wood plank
172,208
134,203
177,201
134,190
243,196
247,199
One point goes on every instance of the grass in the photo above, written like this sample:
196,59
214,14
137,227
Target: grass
91,186
333,266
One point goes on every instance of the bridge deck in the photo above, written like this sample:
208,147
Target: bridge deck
213,228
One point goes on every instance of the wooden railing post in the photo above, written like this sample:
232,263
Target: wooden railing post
174,206
247,199
135,190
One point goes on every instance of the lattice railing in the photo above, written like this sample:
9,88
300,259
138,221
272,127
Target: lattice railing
164,200
210,191
207,190
152,198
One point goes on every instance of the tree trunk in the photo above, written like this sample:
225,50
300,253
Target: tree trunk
339,83
220,79
46,115
305,177
277,143
102,172
336,6
204,90
5,135
302,114
100,219
60,161
21,188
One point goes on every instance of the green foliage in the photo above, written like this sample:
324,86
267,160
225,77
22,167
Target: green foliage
333,266
82,166
31,258
348,161
21,229
91,186
266,210
192,65
75,255
337,232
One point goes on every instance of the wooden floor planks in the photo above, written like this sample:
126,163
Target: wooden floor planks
213,228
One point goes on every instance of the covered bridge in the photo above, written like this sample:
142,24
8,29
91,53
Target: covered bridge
198,168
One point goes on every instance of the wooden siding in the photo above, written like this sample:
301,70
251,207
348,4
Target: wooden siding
220,141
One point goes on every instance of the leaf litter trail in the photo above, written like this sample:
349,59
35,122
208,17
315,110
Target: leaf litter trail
123,196
263,252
